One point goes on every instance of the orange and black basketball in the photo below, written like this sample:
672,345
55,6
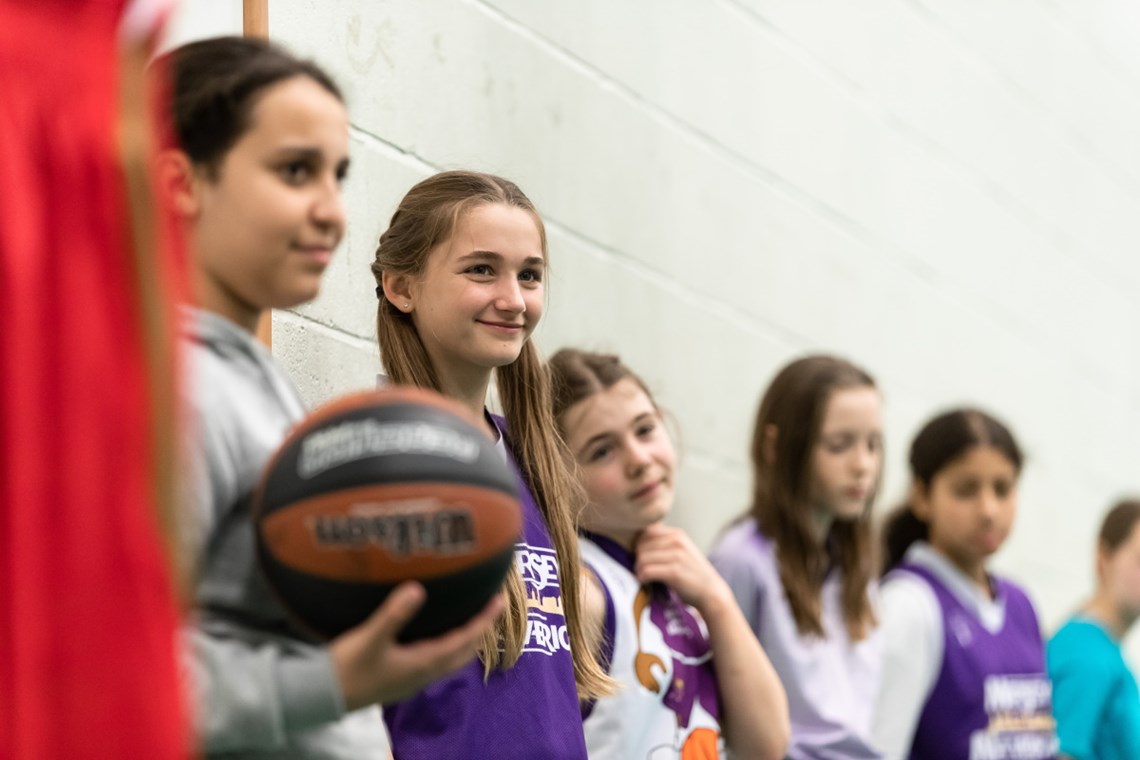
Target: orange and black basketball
381,487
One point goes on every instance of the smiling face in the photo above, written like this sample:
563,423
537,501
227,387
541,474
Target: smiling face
969,506
626,458
848,453
481,293
265,220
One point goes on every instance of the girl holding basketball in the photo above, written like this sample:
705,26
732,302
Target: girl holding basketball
1095,698
262,149
800,563
461,273
964,663
673,635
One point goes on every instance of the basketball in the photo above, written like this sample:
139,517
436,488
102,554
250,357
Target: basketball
381,487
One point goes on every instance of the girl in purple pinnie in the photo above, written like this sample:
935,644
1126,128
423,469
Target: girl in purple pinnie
461,277
964,665
671,632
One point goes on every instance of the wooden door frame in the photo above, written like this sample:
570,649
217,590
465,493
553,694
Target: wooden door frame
255,23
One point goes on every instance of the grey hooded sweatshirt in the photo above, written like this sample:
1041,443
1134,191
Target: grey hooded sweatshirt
261,688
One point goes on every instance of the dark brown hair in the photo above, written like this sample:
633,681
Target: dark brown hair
939,442
215,84
1118,525
425,218
794,406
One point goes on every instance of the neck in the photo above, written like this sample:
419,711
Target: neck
975,571
213,296
626,540
470,391
1101,609
822,520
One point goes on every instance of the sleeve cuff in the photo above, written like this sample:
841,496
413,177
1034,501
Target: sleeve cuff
310,692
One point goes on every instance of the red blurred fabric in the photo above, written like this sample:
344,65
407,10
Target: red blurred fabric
88,609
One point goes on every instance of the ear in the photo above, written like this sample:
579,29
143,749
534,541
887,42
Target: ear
178,183
919,501
398,291
1102,559
771,433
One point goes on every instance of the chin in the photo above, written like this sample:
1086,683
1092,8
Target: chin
494,360
850,514
297,296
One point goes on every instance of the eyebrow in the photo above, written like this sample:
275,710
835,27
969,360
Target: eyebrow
609,433
308,153
529,261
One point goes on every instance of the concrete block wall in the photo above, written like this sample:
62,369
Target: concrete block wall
947,192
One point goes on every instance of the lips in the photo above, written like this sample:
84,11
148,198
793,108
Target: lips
319,253
646,491
506,327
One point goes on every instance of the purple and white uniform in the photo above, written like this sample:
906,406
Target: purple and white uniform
529,711
973,679
657,648
831,681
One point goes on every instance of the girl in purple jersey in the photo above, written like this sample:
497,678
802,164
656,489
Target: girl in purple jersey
673,635
800,562
461,277
964,665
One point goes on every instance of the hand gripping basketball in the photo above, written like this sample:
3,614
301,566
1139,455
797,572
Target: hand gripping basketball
382,487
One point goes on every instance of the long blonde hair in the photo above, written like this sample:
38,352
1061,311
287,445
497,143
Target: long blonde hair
425,218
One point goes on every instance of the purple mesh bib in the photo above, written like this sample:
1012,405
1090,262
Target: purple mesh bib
529,711
992,699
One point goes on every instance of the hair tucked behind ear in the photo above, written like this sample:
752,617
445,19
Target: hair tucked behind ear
426,218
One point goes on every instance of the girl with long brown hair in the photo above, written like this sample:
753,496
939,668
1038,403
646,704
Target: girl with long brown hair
461,276
800,562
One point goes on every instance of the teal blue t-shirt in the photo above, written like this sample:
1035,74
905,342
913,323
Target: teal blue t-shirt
1095,699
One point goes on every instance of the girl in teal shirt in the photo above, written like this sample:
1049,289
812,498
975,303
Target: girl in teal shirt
1095,698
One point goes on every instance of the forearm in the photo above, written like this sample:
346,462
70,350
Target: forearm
253,696
754,707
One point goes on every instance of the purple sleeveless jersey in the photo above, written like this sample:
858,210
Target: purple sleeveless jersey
529,711
686,678
992,699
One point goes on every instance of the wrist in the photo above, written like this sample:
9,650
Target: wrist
716,601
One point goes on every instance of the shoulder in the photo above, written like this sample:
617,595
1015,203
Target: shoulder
1084,644
744,555
741,543
1019,603
907,600
1013,592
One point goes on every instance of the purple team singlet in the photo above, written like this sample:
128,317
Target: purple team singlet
529,711
992,699
657,648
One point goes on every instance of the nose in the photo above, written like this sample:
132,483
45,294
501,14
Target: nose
509,297
862,459
328,208
637,458
987,505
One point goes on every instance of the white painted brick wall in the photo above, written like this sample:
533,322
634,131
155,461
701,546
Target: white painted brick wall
948,191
